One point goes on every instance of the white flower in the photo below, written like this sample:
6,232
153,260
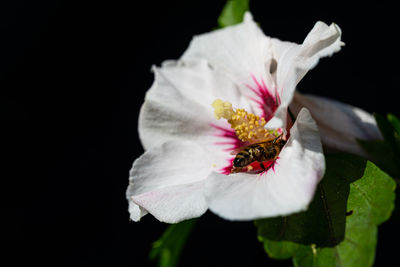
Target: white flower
184,170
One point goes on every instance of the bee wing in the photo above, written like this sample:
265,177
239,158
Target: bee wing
237,150
247,144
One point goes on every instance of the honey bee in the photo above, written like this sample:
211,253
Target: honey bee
261,151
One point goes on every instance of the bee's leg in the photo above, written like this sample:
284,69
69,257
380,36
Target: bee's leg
235,170
276,138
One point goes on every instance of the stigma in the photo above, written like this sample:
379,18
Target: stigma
248,127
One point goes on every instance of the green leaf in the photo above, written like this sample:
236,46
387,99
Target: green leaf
324,221
233,12
395,122
371,202
168,248
280,249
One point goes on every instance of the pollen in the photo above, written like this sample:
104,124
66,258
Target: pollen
248,127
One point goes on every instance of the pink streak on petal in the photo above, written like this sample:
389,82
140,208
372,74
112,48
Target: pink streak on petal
224,132
227,170
228,137
230,148
267,102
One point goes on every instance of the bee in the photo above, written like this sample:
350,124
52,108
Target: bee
260,152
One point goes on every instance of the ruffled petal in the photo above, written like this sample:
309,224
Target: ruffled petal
167,181
178,105
322,41
136,212
294,61
286,189
340,124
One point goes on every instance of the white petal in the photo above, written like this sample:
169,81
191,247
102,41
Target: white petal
174,204
242,53
239,51
294,61
178,105
279,120
167,182
322,41
136,212
340,124
287,189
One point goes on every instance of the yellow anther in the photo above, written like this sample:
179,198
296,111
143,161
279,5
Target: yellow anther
248,127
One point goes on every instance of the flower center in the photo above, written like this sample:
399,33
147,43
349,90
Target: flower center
248,127
261,146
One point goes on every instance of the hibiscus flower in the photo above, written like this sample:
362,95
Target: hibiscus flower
187,165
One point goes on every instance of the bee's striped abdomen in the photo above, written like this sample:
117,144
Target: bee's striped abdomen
243,158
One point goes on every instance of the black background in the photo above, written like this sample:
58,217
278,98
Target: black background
73,76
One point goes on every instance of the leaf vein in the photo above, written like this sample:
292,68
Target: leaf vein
364,194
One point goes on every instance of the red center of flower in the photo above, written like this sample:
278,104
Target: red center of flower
247,129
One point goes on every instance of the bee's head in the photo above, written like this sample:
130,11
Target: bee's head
279,141
239,162
282,142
